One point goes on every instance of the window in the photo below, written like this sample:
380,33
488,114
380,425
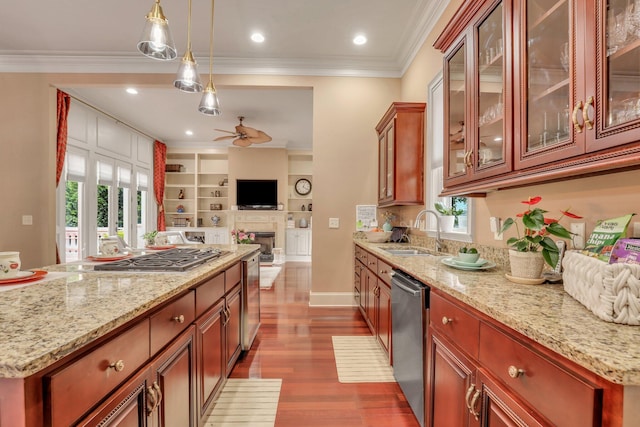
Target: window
142,183
462,206
70,243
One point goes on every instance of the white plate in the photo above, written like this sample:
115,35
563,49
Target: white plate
20,275
451,262
479,263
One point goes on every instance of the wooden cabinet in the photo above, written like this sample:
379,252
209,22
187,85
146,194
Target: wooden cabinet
383,311
211,363
481,373
401,155
233,324
570,77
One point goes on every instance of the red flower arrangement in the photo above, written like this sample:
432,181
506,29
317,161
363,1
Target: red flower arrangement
537,229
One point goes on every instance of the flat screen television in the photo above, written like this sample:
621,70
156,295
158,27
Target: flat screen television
257,194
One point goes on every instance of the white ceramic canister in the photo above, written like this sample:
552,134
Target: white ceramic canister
9,264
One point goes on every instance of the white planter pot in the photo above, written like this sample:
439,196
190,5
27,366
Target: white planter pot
527,265
447,222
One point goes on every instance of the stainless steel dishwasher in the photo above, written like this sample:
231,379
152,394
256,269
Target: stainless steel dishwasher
250,299
409,315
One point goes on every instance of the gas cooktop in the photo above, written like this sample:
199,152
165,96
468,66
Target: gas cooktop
178,259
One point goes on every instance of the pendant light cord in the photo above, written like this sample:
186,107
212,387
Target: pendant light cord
211,45
189,29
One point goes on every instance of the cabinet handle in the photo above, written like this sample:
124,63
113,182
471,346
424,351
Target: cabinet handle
469,164
515,372
446,320
577,126
585,113
152,400
465,160
474,402
178,319
372,262
158,391
382,272
467,397
117,366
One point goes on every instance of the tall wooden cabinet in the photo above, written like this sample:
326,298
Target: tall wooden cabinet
401,155
539,90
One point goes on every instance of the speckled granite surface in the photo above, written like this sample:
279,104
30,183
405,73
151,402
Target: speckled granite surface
544,313
44,322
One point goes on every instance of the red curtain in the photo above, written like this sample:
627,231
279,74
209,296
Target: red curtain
62,112
159,161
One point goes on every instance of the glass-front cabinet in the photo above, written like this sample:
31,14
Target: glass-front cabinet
535,87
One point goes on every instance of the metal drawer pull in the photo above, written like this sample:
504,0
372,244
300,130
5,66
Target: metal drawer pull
152,400
515,372
577,126
467,397
117,366
156,387
178,319
474,402
446,320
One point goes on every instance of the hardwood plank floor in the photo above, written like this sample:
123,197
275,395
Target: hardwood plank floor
294,344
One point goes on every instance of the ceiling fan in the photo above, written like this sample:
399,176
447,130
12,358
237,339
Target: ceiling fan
245,136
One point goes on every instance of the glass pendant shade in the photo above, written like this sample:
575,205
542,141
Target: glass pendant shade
156,41
210,105
188,79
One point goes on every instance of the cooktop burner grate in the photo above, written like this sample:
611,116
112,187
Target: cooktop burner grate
178,259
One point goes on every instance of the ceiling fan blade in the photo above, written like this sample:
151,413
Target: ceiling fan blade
242,142
220,138
260,139
222,130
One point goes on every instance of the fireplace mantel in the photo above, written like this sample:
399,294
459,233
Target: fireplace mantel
259,221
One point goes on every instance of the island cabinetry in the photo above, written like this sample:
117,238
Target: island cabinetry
492,376
233,325
169,321
211,359
401,155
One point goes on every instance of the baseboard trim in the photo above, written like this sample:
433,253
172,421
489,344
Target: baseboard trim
331,299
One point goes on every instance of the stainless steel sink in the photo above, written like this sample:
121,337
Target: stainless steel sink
408,252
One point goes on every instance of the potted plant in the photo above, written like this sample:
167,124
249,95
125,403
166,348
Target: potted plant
449,216
388,217
150,237
531,249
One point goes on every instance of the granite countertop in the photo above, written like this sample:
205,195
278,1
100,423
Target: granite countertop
51,318
544,313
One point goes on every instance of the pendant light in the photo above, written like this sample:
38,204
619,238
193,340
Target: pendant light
210,105
188,79
156,41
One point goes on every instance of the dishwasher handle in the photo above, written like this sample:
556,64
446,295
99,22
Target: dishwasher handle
402,286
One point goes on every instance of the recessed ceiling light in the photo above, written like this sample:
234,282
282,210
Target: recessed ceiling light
359,39
257,37
132,91
189,132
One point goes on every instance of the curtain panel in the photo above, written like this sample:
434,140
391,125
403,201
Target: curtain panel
62,112
159,162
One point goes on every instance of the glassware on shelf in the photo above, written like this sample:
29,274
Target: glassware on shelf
564,56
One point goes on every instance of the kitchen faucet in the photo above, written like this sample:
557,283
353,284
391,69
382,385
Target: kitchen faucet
416,224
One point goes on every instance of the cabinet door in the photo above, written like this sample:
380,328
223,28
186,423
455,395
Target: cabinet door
382,167
370,309
174,378
383,303
547,90
451,388
491,152
612,73
363,288
232,327
127,406
291,244
210,357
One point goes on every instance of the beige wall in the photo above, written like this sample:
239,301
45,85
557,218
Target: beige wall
259,163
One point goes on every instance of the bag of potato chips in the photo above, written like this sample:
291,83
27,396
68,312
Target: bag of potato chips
604,237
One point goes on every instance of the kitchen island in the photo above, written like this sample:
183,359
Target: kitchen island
542,317
50,327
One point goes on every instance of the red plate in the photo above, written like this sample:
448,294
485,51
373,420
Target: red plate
160,247
37,275
100,258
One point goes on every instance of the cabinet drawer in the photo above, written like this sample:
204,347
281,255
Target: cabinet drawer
78,386
372,263
384,272
208,293
232,277
455,323
552,391
167,323
361,254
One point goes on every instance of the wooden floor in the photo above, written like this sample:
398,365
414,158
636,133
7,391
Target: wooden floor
294,344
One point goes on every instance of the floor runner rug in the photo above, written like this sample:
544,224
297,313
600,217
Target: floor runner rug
268,275
246,403
359,359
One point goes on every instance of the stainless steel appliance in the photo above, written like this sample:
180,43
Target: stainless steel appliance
409,317
177,259
250,298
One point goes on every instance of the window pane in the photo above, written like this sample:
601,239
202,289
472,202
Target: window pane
73,193
124,214
141,221
102,218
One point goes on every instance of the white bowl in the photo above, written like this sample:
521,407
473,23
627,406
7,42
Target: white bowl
377,236
467,257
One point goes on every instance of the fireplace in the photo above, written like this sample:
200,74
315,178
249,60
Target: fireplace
266,240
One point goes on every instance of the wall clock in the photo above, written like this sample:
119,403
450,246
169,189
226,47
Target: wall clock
303,186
